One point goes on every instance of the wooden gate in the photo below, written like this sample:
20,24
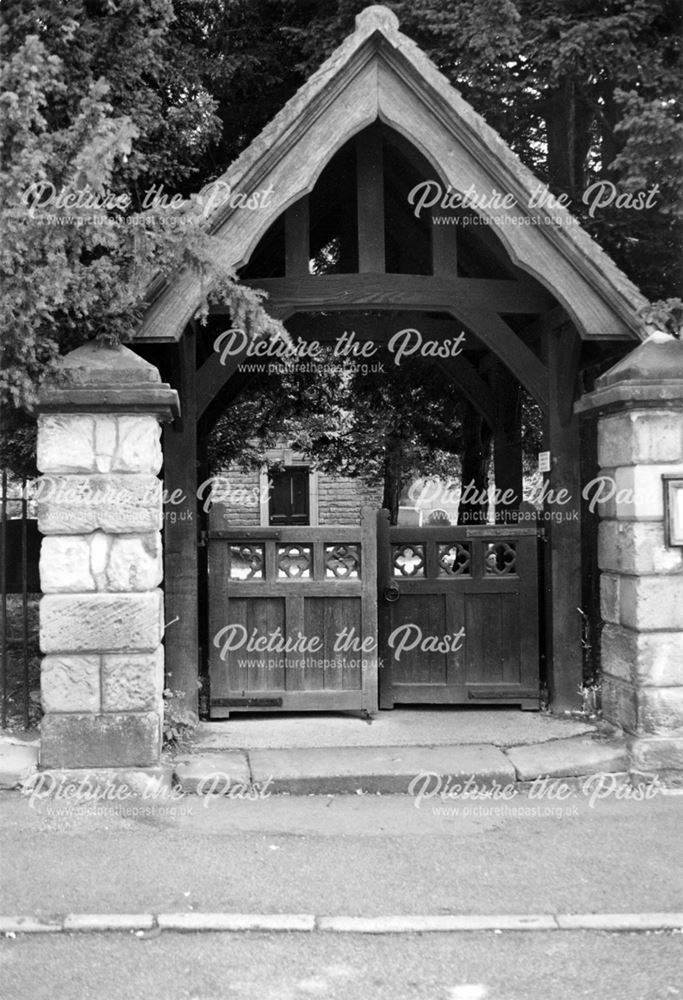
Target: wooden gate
458,615
293,618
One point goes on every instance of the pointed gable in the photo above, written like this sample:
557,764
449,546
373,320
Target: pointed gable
380,74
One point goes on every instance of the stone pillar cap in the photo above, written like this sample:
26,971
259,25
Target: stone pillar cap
102,378
659,357
651,375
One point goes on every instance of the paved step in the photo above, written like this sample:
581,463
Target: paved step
389,770
575,757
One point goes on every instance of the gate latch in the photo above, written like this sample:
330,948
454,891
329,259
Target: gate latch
392,593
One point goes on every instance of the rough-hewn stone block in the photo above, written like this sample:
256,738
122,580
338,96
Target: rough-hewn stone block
66,443
609,597
70,683
101,622
640,437
79,505
138,447
636,547
132,682
121,740
651,602
134,562
660,711
646,658
639,492
619,704
65,564
664,753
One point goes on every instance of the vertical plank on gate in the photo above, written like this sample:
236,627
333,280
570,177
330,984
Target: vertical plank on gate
563,551
368,541
386,691
370,185
180,538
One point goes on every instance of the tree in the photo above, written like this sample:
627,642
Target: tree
77,257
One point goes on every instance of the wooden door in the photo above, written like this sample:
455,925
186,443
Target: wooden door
458,615
293,618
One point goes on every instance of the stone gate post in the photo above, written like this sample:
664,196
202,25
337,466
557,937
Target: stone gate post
100,511
639,404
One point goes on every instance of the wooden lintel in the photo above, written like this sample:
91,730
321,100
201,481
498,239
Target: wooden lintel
370,187
400,291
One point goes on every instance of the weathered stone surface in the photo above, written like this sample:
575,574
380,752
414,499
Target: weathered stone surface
121,740
134,562
95,364
110,784
139,445
648,603
65,564
619,703
636,547
18,762
213,773
70,683
657,753
660,711
568,758
79,505
640,436
648,658
101,622
639,492
99,442
132,682
66,443
609,597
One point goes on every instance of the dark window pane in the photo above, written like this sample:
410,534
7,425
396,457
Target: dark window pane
289,496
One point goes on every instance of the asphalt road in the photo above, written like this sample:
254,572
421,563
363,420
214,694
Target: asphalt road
486,966
362,855
358,855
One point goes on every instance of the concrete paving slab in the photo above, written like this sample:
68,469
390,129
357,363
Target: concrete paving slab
424,923
18,761
28,925
445,726
108,922
389,770
212,773
236,921
620,921
568,758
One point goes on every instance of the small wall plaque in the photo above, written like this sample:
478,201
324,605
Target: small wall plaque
673,509
544,461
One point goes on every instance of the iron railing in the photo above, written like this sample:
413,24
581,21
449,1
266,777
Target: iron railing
19,592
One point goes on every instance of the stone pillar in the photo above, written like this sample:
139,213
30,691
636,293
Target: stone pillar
639,404
100,510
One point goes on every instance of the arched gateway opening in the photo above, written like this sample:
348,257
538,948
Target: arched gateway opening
393,207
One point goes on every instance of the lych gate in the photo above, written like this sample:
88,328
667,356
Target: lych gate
535,297
533,305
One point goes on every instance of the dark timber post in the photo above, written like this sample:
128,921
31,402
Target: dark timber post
563,524
180,533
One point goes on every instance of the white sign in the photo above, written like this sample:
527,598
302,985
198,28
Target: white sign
544,461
